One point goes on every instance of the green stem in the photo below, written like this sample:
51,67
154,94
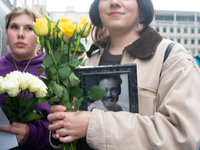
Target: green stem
21,101
51,52
54,60
69,50
77,44
62,102
24,98
62,45
27,97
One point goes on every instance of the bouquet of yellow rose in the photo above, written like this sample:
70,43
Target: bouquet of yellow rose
18,108
58,40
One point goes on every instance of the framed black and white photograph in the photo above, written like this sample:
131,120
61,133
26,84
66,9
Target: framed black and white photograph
120,83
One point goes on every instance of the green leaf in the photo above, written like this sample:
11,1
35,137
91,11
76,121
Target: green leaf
74,80
68,106
76,92
48,74
42,69
78,103
64,71
57,89
31,102
65,49
6,109
45,80
53,71
74,62
66,82
58,56
96,92
42,100
65,95
32,117
83,29
48,60
55,99
82,64
8,100
49,25
63,59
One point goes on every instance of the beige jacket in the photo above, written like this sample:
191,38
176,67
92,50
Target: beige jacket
169,106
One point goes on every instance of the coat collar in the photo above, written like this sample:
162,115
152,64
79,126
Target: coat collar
142,48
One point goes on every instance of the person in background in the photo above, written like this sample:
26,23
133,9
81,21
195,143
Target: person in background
23,57
112,84
168,93
197,59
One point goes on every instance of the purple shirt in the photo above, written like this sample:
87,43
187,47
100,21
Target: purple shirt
38,138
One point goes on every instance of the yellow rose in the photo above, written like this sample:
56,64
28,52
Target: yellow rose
52,26
67,28
41,26
86,32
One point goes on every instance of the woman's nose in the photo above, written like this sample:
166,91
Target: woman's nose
115,3
21,33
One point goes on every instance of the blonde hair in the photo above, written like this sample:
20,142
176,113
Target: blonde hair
21,10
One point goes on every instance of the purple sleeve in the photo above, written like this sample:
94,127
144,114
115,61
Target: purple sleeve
38,137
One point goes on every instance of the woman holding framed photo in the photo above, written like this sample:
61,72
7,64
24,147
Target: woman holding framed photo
168,96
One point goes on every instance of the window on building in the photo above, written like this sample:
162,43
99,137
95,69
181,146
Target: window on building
198,51
199,30
193,51
179,40
171,30
157,29
185,18
178,30
185,41
192,30
198,19
164,17
192,41
199,41
185,30
164,30
172,39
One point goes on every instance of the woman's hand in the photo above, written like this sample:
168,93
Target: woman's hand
21,130
68,126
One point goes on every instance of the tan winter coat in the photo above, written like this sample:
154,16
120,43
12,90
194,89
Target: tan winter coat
169,105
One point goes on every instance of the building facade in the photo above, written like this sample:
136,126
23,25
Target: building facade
181,27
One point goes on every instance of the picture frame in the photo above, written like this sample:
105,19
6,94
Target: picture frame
121,87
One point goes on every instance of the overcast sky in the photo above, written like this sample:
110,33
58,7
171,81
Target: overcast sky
83,5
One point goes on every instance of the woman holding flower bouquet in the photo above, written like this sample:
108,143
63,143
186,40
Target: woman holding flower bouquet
168,94
24,58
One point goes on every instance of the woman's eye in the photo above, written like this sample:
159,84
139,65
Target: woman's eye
13,27
29,28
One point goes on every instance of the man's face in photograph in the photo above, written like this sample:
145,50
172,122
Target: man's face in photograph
112,92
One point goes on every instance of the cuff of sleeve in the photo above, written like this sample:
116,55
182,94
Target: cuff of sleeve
56,144
96,132
32,133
